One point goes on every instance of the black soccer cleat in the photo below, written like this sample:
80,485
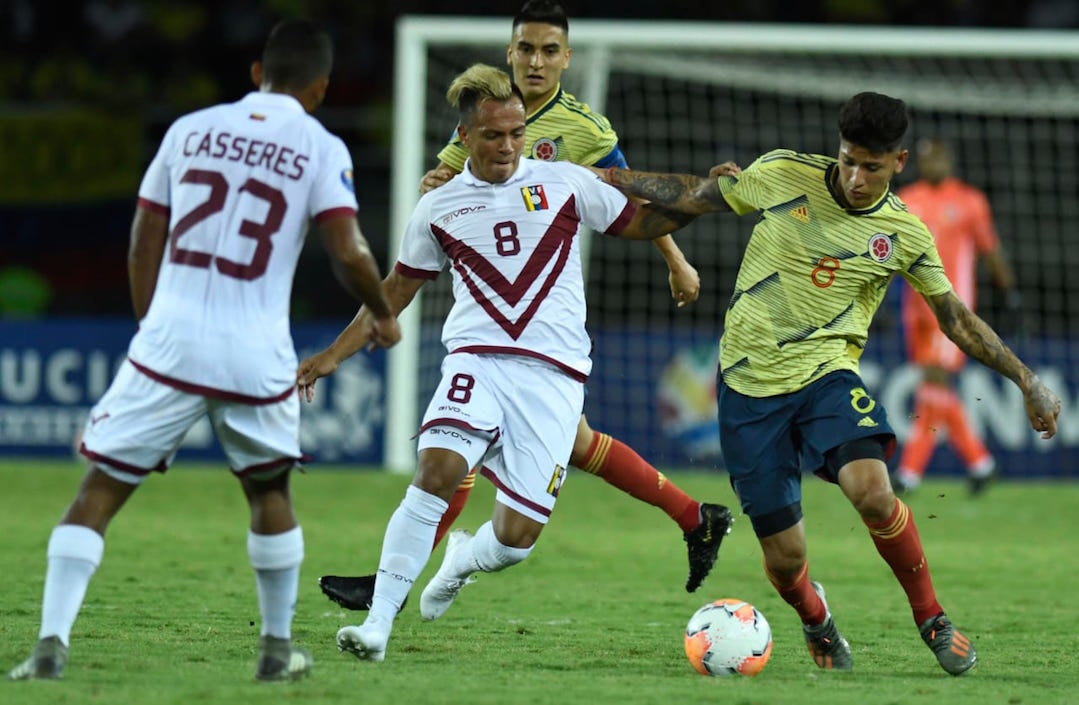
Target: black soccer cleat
702,543
978,485
352,593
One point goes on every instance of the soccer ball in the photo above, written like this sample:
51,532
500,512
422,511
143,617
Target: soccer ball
726,637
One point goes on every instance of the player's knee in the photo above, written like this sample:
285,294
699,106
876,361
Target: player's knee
785,561
864,478
440,471
514,529
875,502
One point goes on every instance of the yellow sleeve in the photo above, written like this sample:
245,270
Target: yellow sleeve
728,186
926,272
749,191
454,154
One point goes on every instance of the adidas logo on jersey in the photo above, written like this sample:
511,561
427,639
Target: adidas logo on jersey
801,213
867,422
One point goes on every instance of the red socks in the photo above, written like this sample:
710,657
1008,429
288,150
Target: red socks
898,544
619,465
801,596
457,504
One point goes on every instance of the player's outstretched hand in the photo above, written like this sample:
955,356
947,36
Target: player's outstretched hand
435,178
724,169
318,365
1043,407
383,333
685,284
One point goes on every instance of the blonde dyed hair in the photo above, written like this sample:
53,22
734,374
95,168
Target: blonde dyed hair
478,83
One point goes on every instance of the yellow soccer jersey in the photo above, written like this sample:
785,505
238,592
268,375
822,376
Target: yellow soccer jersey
813,273
562,129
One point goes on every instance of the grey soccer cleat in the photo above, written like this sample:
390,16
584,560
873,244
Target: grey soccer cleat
279,660
46,662
827,646
953,650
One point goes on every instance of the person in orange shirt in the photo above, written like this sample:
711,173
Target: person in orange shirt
959,217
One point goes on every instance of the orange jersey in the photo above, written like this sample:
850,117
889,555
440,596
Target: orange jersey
958,215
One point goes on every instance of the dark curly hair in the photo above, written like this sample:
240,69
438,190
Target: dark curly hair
874,121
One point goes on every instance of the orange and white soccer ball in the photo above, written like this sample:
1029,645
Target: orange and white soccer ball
728,637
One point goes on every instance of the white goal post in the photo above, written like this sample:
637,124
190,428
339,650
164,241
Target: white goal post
986,73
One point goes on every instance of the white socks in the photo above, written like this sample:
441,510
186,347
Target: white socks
405,551
276,559
484,553
74,554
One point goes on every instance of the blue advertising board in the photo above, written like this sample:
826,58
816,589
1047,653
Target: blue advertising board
655,391
53,371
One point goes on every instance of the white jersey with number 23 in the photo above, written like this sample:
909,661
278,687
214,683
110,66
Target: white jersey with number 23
240,183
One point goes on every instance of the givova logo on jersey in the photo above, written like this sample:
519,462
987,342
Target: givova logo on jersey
535,198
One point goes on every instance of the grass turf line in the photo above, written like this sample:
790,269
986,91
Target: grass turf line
594,616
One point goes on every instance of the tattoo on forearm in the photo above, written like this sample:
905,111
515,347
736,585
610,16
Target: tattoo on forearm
665,190
683,192
974,337
661,220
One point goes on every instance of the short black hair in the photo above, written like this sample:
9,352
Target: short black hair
544,11
874,121
296,53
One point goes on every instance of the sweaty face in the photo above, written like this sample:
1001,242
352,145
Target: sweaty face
495,138
864,176
538,54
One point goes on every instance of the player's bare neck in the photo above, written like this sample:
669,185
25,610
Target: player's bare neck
837,189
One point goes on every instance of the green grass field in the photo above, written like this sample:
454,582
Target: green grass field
595,615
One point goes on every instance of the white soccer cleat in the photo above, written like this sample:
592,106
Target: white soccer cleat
366,642
444,586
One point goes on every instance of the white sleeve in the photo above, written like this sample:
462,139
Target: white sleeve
600,206
420,250
154,190
333,191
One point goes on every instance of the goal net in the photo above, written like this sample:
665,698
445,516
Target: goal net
686,96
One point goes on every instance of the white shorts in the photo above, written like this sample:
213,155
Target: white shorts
516,415
139,423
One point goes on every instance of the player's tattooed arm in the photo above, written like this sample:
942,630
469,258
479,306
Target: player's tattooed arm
974,337
651,221
685,193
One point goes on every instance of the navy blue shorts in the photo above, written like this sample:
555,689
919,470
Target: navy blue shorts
768,442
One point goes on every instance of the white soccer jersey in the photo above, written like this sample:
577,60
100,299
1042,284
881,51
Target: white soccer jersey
240,183
515,256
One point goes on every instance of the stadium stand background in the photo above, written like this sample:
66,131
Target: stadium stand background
87,90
